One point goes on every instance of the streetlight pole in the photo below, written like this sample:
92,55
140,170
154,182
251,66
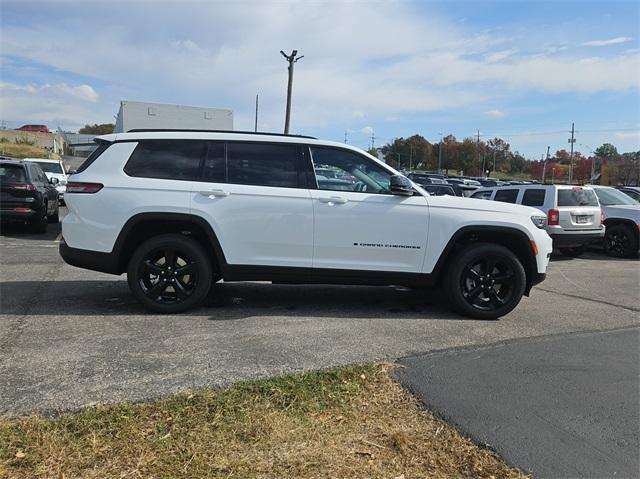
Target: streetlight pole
572,140
291,59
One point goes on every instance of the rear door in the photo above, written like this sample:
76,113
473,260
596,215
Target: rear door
578,208
254,195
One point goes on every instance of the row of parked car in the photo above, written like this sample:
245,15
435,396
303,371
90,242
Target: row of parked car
31,191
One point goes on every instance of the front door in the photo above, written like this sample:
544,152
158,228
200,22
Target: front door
358,223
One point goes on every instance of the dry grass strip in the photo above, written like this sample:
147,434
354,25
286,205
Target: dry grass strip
343,423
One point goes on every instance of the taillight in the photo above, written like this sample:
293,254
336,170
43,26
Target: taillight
78,187
553,218
601,216
23,187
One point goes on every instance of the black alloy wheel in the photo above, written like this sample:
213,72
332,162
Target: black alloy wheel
485,281
170,274
620,242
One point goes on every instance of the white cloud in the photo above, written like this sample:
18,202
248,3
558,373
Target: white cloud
375,62
58,104
628,135
605,43
367,131
496,114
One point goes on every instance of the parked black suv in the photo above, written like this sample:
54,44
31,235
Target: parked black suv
26,195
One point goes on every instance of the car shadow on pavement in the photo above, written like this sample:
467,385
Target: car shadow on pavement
21,231
228,301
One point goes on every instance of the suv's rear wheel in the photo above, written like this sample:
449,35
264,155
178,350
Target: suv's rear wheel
620,241
485,281
170,273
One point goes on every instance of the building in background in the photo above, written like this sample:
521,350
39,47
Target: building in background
142,115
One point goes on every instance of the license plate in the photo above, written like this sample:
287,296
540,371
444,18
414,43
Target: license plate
582,219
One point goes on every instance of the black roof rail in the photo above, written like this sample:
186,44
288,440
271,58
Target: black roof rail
237,132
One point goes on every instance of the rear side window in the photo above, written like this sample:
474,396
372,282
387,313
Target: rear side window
577,197
102,146
533,197
166,159
506,196
12,174
483,195
263,164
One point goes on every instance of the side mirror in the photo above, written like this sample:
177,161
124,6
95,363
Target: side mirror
54,181
400,185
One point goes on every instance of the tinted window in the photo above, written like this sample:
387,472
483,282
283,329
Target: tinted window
93,156
483,195
577,196
533,197
166,159
12,174
350,172
506,196
439,190
609,197
263,164
214,164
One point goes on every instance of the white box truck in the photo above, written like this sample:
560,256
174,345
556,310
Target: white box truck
143,115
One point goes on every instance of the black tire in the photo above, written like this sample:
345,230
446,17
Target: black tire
485,281
573,251
38,224
154,275
620,241
55,217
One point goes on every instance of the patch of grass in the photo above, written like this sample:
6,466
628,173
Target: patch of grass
348,422
22,150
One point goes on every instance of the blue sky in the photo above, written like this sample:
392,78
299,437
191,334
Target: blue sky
519,70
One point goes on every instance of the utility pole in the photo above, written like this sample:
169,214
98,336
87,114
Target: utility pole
572,140
410,156
478,152
373,139
440,156
544,163
256,125
345,136
291,59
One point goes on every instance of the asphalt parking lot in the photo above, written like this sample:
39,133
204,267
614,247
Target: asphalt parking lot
71,338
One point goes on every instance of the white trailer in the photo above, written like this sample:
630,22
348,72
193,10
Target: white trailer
142,115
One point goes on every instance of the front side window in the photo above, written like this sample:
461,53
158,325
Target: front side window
348,172
506,196
166,159
263,164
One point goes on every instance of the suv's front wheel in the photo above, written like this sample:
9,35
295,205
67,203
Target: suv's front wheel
485,281
170,273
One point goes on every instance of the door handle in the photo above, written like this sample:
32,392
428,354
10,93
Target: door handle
218,193
338,200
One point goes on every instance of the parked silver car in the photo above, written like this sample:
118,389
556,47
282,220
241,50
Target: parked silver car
622,219
574,216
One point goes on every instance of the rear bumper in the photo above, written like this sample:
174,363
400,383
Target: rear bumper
93,260
576,239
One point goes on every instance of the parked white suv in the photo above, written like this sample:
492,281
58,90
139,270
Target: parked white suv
179,210
574,217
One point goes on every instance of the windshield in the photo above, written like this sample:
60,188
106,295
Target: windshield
576,196
12,174
50,167
610,197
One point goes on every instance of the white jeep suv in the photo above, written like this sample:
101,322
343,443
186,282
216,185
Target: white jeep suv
180,210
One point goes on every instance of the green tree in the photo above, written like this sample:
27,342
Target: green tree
606,151
95,129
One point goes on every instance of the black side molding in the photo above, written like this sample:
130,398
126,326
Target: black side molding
93,260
